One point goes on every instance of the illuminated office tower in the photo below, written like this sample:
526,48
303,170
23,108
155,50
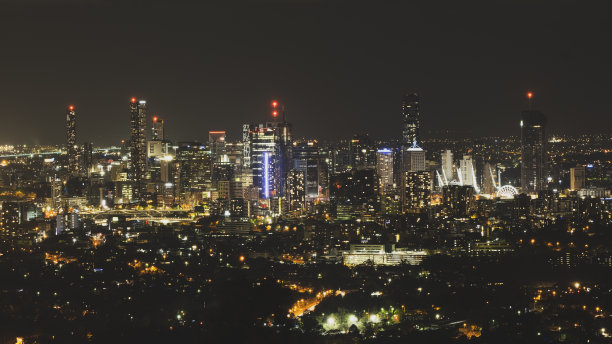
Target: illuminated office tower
157,129
138,146
71,146
411,119
467,176
413,158
306,158
216,141
533,151
384,169
194,171
296,191
577,178
416,191
86,157
447,166
261,141
284,151
362,152
267,152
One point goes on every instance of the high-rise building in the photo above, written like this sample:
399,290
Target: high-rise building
86,157
577,178
216,140
306,158
194,171
416,191
267,152
285,148
261,146
411,116
157,129
296,194
457,199
138,147
413,158
447,166
71,146
384,169
467,173
362,152
533,151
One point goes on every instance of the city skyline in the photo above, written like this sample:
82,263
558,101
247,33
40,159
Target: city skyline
305,171
347,71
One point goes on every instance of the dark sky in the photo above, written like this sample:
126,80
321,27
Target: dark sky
339,66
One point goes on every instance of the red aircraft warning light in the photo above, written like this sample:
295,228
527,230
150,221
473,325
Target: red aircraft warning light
529,95
274,113
155,119
71,108
133,100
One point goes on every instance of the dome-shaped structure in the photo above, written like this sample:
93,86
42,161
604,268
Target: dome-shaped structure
507,191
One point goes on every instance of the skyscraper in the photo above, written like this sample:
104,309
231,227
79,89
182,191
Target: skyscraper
296,191
261,145
413,158
138,146
533,151
416,191
157,130
384,169
412,119
71,146
467,173
447,165
87,157
216,141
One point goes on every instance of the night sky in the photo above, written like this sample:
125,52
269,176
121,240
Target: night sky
340,67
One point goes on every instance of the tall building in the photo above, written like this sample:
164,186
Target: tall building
362,152
306,158
412,119
296,194
413,158
194,171
467,172
447,165
577,178
138,147
457,199
86,157
157,129
267,152
260,149
416,191
533,151
216,141
71,146
285,147
384,169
